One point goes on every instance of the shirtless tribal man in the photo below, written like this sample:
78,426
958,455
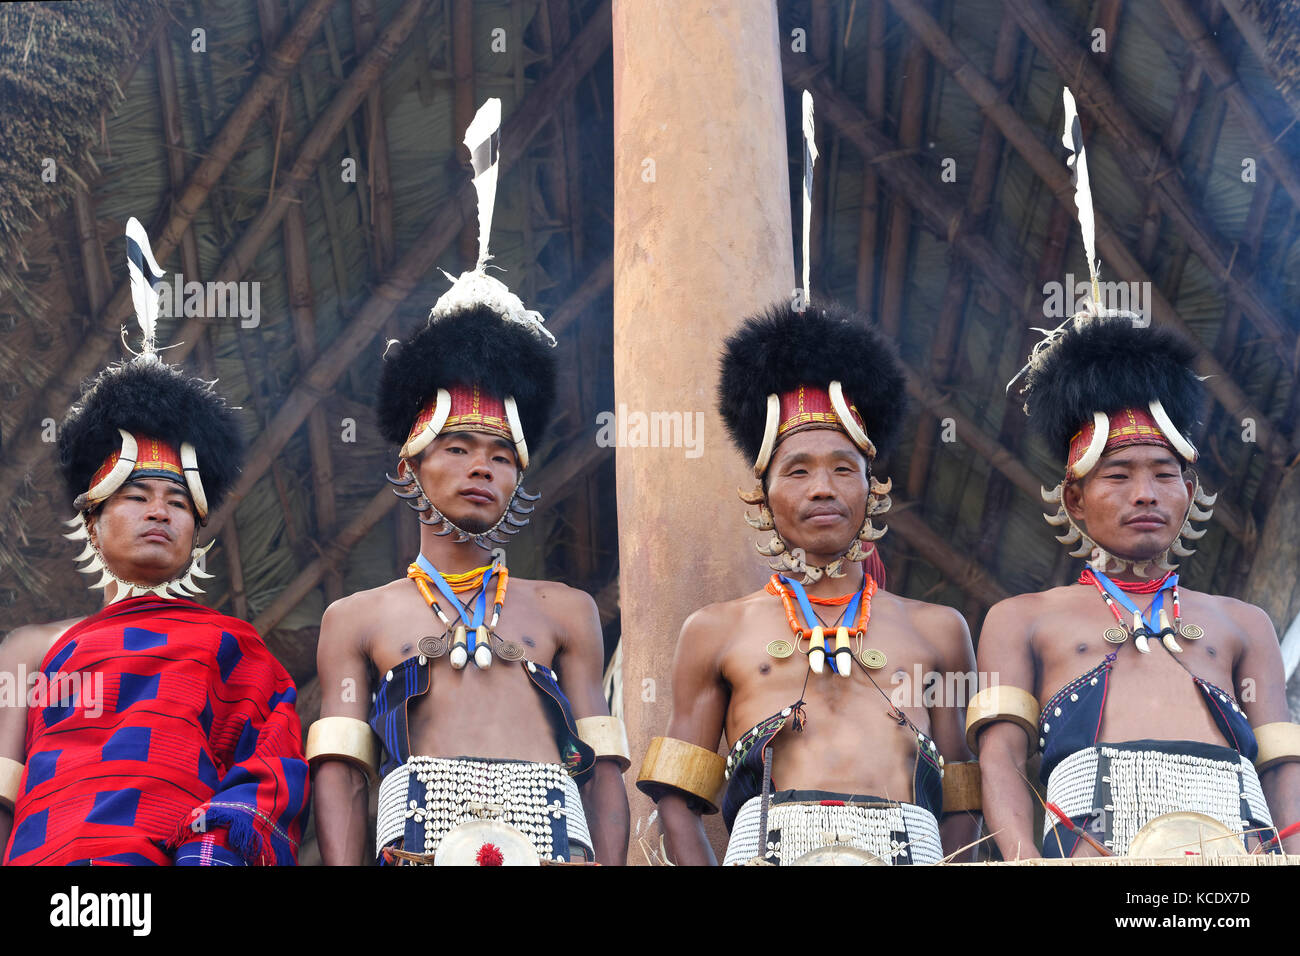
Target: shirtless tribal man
797,675
1138,675
486,750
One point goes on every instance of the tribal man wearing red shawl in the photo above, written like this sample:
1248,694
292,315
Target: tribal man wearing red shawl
156,731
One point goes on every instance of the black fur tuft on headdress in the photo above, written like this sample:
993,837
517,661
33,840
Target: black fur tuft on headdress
149,397
1105,364
470,346
781,349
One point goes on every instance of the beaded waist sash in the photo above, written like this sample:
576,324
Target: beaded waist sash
1112,790
426,796
800,821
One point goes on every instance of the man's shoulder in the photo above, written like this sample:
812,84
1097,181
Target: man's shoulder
33,640
922,613
1252,619
728,610
545,590
360,604
720,618
1032,603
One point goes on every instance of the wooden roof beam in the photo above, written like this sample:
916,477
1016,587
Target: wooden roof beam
174,140
1185,107
1111,247
983,179
1193,29
898,229
463,106
314,146
519,128
961,570
302,312
382,232
1255,39
1144,161
869,215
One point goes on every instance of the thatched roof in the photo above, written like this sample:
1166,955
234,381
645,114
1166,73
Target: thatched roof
552,229
59,70
1278,22
962,288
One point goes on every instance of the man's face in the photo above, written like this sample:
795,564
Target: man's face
145,531
469,477
1133,502
817,491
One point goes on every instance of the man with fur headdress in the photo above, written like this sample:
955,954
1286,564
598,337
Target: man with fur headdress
156,731
831,754
498,747
1128,683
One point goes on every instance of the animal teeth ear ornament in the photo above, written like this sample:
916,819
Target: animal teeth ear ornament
796,367
1199,509
144,420
515,517
1102,380
181,586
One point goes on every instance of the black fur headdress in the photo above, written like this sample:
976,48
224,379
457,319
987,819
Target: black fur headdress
472,346
1105,364
780,349
147,397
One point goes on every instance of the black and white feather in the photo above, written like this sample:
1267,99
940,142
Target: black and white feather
145,277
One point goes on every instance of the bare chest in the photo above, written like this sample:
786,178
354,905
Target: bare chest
768,670
403,621
1082,632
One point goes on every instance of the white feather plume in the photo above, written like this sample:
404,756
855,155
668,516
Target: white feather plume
1072,139
809,161
144,291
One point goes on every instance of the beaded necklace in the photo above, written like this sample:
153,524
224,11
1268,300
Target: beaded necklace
470,637
839,657
1155,624
820,650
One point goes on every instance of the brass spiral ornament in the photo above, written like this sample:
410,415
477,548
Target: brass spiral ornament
506,650
1116,635
432,647
873,658
780,649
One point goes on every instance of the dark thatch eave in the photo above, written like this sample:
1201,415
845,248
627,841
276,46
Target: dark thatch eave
1279,22
59,70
